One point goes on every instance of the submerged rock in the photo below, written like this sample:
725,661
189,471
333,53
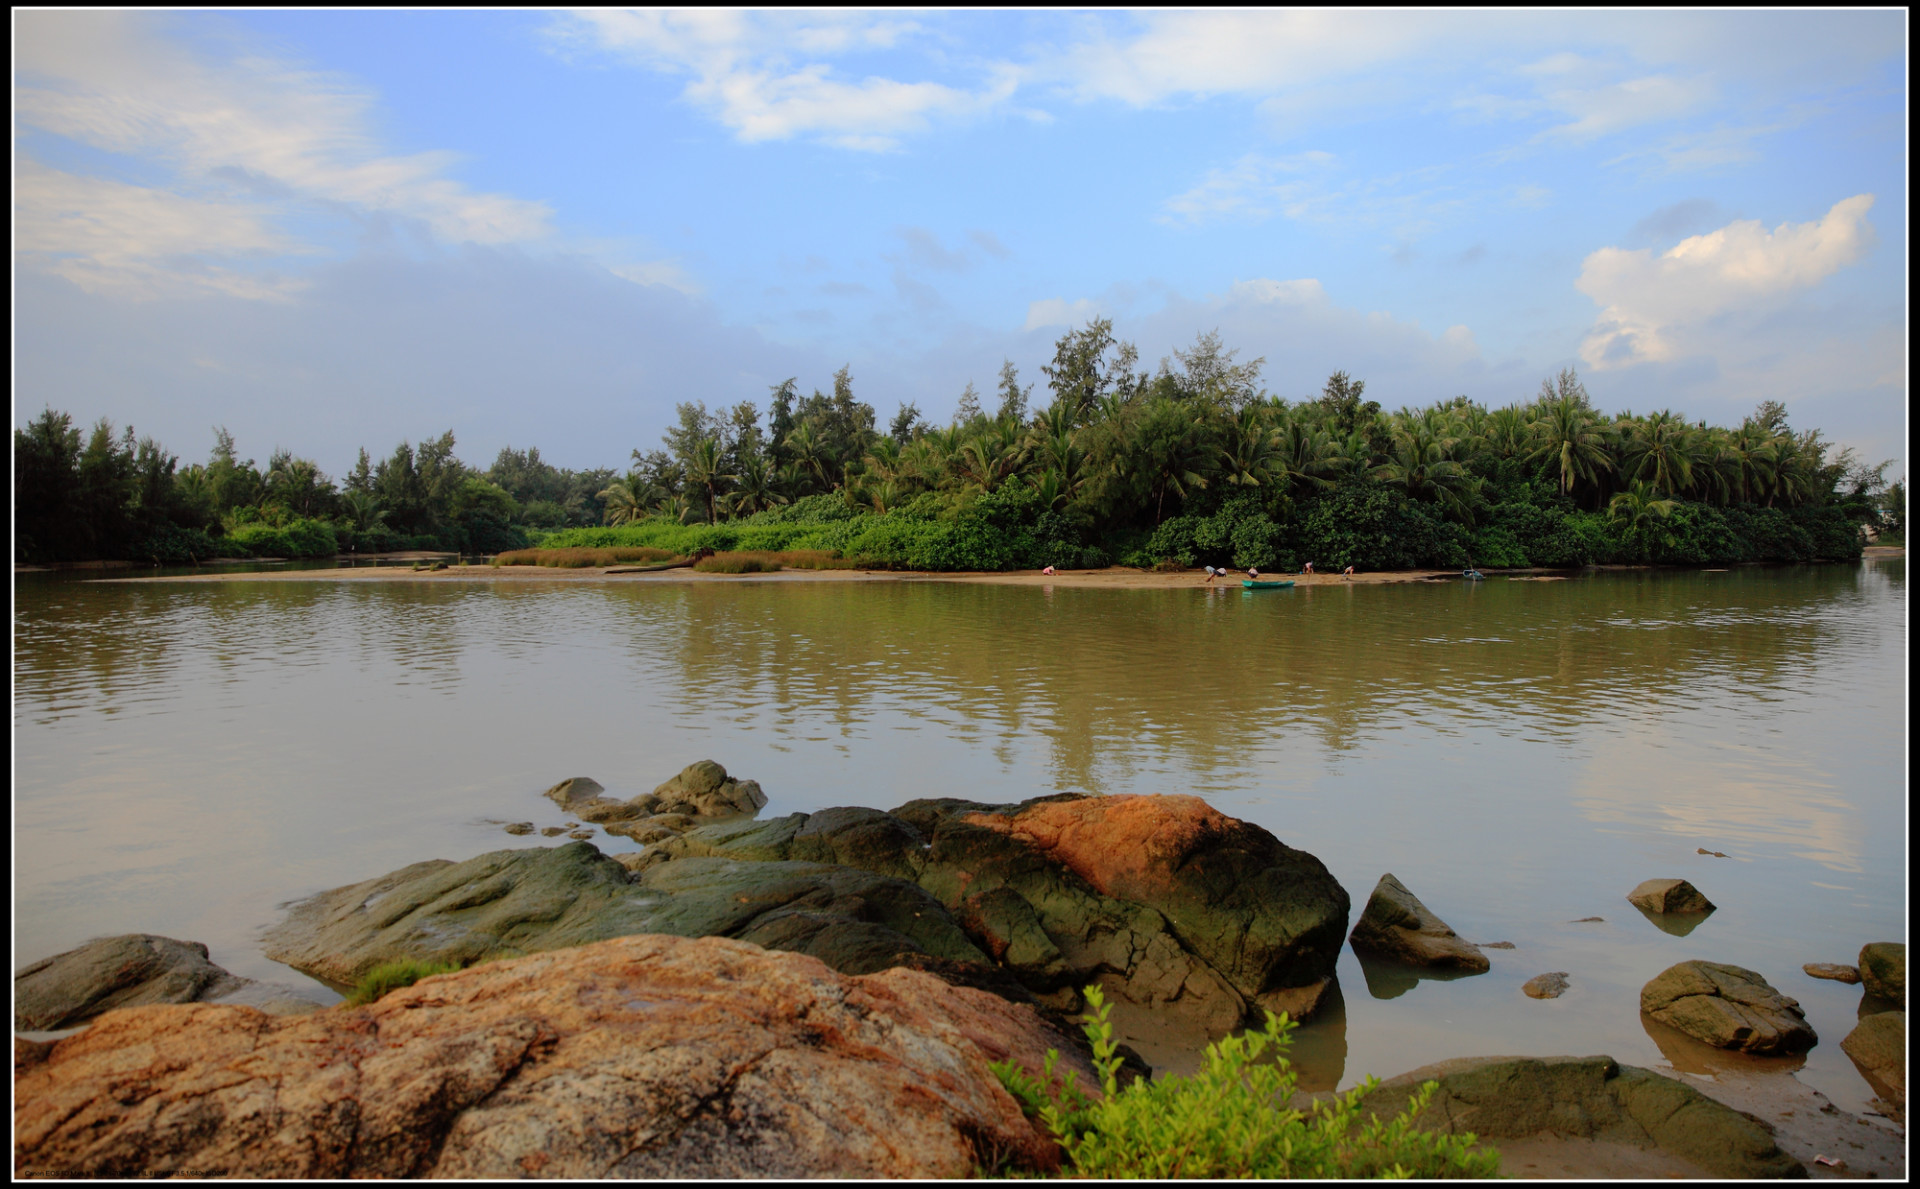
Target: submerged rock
1878,1046
1883,969
1587,1098
1545,986
1396,924
1729,1007
1834,971
644,1057
513,902
518,827
1669,896
132,970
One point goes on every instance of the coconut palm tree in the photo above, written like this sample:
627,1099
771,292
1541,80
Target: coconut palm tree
706,469
755,487
1644,514
1659,450
631,499
1252,449
1572,442
809,452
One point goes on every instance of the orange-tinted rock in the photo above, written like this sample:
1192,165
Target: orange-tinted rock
645,1056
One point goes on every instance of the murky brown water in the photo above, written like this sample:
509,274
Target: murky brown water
1520,754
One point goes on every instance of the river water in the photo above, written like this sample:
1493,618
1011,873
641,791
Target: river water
188,756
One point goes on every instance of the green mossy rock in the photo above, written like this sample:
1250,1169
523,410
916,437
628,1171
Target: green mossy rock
130,970
509,903
1593,1098
1878,1046
1883,969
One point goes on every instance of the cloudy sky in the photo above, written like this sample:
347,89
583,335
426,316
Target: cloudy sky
325,230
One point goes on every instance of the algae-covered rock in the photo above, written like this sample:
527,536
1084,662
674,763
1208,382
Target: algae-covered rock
133,970
513,902
704,789
1878,1046
1173,906
1397,924
1883,969
1669,896
1545,986
1592,1098
1729,1007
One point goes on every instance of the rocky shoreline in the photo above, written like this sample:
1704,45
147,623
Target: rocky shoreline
819,995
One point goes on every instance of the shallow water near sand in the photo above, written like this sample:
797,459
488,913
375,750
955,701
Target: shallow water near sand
1520,754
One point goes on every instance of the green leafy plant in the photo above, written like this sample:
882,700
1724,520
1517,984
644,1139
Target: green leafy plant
391,976
1231,1119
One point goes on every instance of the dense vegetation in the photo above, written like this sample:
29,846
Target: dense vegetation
1230,1120
1193,463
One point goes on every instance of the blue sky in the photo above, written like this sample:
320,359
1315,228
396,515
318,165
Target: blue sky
325,230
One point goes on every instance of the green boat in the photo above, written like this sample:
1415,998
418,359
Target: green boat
1250,584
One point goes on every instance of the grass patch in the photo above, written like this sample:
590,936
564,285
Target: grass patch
391,976
764,561
737,563
1230,1119
581,558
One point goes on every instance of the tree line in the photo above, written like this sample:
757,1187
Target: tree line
1192,461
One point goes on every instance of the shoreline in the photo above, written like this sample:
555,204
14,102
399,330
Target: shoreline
1110,578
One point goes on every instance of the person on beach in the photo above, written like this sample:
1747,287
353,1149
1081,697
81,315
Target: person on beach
1213,573
1307,569
1253,574
1346,575
1048,571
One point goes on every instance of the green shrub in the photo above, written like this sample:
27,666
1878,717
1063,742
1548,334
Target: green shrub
391,976
1230,1119
297,538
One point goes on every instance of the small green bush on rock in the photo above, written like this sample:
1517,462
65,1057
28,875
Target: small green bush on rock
1230,1119
391,976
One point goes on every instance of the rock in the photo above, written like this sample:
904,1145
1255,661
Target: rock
553,831
132,970
656,828
1728,1007
513,902
1838,973
1589,921
1716,854
704,789
1669,895
1496,945
1545,986
1396,924
1514,1100
520,828
1878,1046
1176,909
643,1057
1883,968
580,835
573,789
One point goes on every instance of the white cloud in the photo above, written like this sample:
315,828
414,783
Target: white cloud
744,72
228,131
1058,311
1254,187
1651,306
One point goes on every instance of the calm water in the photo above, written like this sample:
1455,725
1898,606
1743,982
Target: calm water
1520,754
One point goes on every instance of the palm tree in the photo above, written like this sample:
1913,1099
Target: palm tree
1570,439
1252,448
755,488
1419,462
631,499
1305,454
810,453
1171,446
1051,488
706,470
1643,513
1659,451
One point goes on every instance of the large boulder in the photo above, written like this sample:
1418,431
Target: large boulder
513,902
1396,924
1883,970
1729,1007
1878,1046
643,1057
132,970
1513,1100
1174,907
1669,896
